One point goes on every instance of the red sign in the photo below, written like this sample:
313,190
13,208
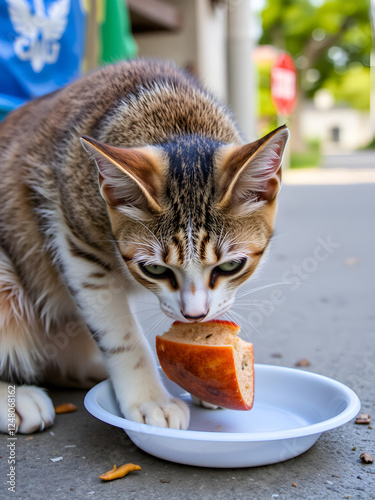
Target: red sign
284,84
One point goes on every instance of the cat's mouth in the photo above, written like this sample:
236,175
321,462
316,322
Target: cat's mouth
167,310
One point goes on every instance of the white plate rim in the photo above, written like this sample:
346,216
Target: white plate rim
345,416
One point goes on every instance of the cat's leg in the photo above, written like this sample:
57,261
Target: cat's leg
102,298
20,354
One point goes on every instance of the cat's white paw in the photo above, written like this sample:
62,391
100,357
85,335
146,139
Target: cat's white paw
34,410
200,402
171,412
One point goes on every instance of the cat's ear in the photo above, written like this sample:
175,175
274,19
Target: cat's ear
252,173
129,178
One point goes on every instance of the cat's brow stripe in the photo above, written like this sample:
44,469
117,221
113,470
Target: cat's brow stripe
202,250
179,247
166,254
218,252
78,252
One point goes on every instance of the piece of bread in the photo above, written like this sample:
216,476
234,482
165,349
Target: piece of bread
210,361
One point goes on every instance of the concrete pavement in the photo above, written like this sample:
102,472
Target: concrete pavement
358,159
327,315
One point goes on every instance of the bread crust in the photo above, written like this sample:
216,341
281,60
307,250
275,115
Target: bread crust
209,372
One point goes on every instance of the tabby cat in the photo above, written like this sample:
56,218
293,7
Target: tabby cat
163,195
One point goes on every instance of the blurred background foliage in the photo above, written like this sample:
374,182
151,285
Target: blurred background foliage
330,42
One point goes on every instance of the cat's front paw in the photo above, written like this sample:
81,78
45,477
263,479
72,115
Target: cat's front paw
169,412
34,410
200,402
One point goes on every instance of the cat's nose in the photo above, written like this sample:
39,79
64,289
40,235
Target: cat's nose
194,318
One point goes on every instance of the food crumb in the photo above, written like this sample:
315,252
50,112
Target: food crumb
354,448
363,418
303,362
335,475
29,438
65,408
294,484
366,458
370,427
117,472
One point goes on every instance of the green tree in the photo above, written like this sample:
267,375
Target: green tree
330,42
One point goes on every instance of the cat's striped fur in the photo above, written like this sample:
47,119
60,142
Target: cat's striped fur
167,198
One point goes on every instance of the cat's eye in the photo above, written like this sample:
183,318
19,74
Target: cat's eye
231,266
155,270
159,272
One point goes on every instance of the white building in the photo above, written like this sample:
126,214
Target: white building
338,128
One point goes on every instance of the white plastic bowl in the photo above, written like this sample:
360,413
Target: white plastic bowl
291,410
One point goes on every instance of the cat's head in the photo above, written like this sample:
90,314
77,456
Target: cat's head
192,217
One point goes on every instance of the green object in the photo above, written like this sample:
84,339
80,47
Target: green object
310,159
117,40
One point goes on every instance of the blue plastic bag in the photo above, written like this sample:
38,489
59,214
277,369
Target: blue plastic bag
42,46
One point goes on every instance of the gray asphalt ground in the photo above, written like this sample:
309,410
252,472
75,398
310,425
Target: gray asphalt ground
328,318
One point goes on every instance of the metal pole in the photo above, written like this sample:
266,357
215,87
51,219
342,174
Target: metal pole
241,74
372,71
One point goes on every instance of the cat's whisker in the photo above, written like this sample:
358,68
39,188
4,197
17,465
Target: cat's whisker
227,317
263,287
253,290
257,289
221,234
141,311
264,304
242,318
150,330
149,230
277,236
267,309
246,301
